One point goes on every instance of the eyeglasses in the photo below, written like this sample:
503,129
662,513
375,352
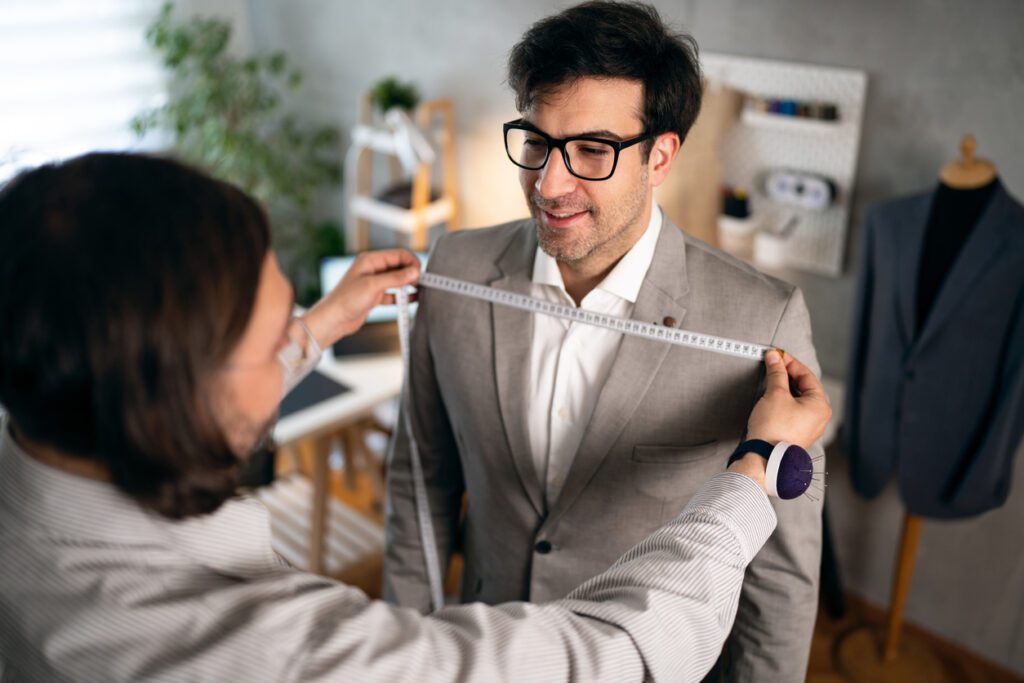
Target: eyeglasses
302,349
587,158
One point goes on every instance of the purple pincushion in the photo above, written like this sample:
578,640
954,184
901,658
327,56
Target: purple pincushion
794,473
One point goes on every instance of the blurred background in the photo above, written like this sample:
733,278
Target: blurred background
373,124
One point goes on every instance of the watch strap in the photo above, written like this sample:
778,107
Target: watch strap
759,446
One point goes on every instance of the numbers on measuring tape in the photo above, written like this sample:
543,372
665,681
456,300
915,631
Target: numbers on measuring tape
634,328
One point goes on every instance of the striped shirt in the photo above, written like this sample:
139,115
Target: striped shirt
94,588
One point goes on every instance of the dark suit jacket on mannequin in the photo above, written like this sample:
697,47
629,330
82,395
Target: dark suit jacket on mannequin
938,403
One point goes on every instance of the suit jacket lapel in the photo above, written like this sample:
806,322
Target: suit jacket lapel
513,335
636,363
909,238
983,245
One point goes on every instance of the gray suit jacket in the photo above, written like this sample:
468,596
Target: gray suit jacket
665,421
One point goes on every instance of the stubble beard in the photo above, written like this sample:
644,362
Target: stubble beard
608,231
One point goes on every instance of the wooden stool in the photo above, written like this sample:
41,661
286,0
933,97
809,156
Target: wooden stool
309,458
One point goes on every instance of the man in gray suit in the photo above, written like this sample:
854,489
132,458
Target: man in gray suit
572,443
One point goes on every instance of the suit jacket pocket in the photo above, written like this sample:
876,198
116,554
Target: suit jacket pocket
676,455
672,474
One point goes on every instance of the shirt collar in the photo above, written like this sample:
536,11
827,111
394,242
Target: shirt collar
626,278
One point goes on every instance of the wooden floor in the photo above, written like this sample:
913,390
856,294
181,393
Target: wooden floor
956,664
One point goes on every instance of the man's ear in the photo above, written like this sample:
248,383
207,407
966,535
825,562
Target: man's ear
663,153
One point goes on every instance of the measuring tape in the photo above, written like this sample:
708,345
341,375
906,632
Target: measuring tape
419,486
635,328
670,335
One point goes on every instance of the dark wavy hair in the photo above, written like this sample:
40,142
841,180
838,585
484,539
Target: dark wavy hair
612,40
126,282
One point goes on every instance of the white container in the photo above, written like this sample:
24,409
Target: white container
773,242
736,235
770,250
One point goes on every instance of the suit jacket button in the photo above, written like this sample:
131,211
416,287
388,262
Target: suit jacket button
669,321
543,547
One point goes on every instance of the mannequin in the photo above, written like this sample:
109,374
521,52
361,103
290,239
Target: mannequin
939,307
940,295
965,188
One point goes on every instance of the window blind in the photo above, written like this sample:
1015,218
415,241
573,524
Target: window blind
72,76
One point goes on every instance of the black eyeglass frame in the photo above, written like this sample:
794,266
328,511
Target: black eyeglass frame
560,143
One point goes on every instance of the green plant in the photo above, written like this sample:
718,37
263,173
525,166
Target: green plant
227,115
390,92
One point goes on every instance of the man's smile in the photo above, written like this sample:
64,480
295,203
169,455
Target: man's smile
561,218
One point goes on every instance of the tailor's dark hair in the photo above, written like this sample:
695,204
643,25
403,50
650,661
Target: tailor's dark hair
612,40
125,283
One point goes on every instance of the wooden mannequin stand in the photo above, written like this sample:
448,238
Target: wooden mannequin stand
866,654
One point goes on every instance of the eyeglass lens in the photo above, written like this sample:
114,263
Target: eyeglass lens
296,353
587,158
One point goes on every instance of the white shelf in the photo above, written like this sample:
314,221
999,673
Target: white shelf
378,139
397,218
764,141
793,124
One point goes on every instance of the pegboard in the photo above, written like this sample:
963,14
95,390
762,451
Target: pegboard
762,142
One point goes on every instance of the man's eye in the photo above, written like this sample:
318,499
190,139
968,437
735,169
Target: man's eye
534,142
595,151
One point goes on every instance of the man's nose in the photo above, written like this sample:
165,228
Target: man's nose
555,180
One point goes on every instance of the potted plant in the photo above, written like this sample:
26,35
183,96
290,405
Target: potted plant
389,92
227,115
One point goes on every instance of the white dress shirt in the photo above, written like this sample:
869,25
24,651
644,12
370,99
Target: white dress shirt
94,588
570,361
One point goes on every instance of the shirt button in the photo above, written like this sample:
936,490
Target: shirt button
563,413
543,547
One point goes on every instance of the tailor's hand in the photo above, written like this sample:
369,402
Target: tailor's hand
782,414
344,309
